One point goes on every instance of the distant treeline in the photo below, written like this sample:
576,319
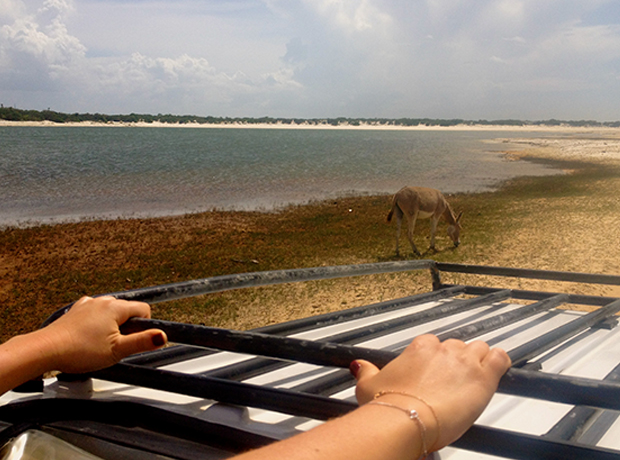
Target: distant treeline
13,114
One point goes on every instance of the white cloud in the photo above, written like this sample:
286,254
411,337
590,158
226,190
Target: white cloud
351,15
515,39
38,53
311,58
37,47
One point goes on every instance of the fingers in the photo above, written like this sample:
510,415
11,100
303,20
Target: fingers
125,309
478,348
455,379
135,342
423,343
139,342
122,310
363,371
497,360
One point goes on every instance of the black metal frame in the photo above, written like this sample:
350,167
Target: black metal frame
274,350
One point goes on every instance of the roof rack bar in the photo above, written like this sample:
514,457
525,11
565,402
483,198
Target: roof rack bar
191,288
566,389
228,391
480,439
234,341
418,318
252,279
336,317
168,355
523,353
572,424
582,299
531,274
577,391
487,325
287,348
252,367
521,446
327,385
533,384
257,343
333,382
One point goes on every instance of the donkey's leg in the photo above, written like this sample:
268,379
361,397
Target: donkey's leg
433,232
399,221
411,228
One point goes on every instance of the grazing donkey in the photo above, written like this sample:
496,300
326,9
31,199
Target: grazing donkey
422,203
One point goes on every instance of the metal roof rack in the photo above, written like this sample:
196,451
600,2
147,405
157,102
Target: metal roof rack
299,369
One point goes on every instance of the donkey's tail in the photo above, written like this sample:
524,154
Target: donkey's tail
394,208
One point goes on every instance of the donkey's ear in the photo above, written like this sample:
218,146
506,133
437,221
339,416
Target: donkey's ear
458,219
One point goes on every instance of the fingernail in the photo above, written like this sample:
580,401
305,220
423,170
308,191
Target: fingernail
159,340
354,368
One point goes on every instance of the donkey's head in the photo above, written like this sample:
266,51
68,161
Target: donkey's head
454,230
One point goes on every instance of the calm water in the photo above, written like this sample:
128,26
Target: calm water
53,174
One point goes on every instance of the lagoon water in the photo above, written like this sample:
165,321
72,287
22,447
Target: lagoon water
56,174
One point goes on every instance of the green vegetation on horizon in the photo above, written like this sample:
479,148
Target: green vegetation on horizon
14,114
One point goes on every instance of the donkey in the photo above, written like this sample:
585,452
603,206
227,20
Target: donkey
422,203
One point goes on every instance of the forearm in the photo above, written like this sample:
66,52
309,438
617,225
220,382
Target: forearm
23,358
85,339
371,432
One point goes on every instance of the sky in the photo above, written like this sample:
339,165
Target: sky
482,59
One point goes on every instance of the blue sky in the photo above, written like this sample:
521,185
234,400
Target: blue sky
483,59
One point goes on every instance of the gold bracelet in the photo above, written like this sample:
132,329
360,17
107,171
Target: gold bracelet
413,415
403,393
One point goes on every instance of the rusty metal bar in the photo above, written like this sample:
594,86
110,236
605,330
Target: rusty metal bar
558,388
185,289
253,279
303,324
227,391
487,325
573,424
253,342
523,353
530,274
246,369
252,367
497,442
175,291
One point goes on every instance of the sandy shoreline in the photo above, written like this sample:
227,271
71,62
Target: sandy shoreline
363,126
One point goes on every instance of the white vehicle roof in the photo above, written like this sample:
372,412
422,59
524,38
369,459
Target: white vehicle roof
219,392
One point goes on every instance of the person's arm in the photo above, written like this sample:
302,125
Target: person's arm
449,384
86,338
